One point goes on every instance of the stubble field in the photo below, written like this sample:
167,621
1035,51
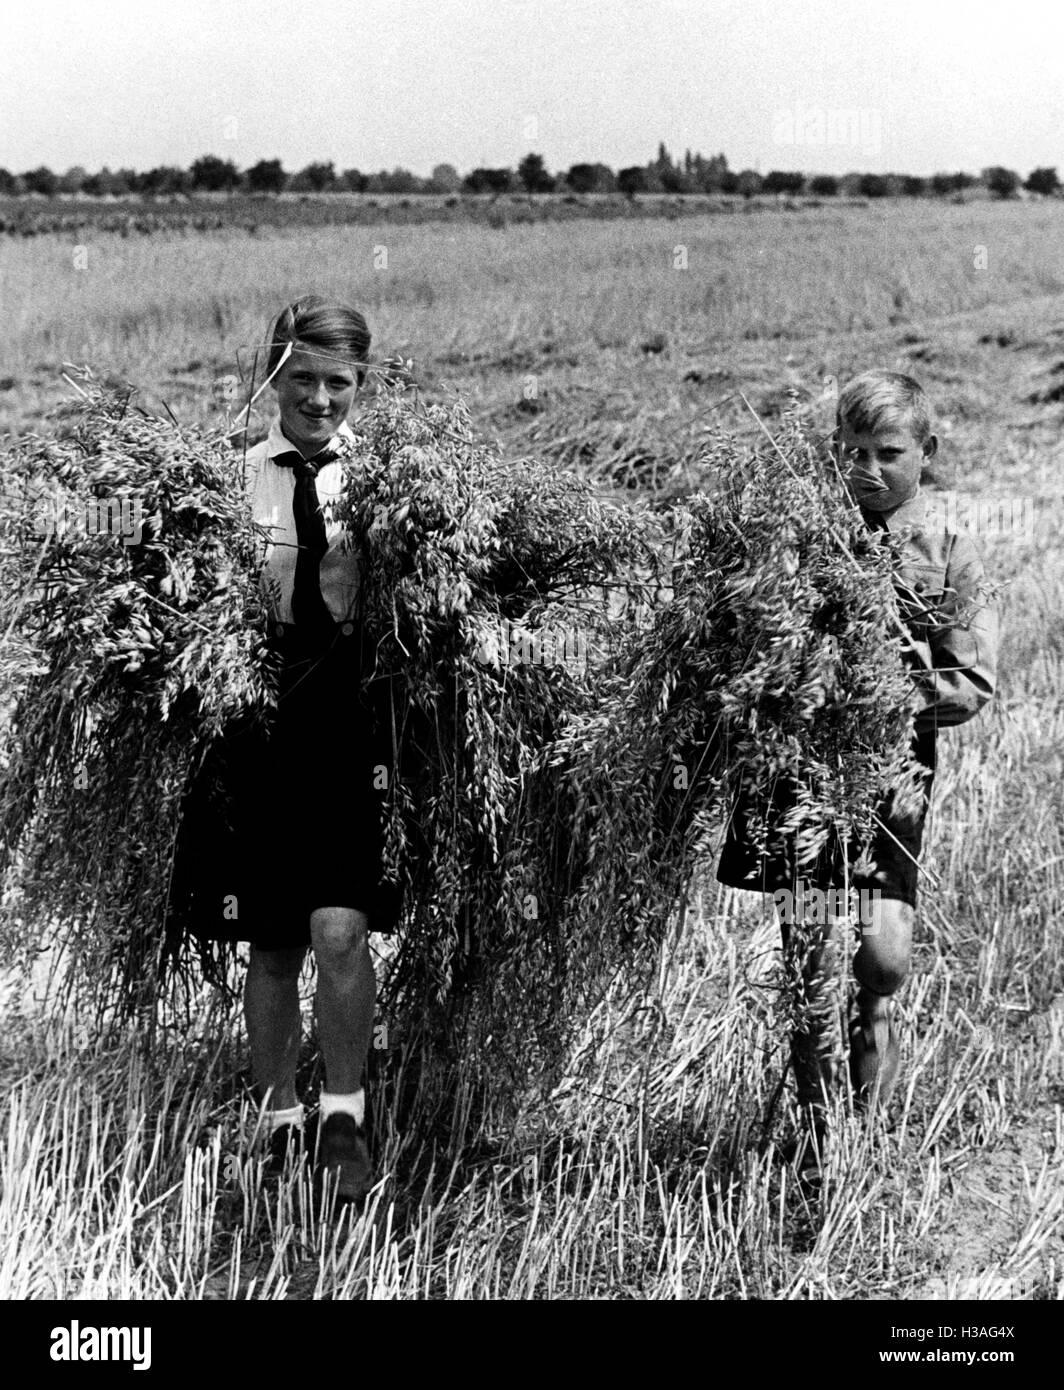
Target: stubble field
656,1173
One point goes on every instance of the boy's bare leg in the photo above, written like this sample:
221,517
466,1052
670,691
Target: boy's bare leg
347,994
271,1011
880,966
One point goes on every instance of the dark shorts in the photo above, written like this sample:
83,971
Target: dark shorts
895,848
286,818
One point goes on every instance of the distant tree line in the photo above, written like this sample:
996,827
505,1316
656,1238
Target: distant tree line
694,173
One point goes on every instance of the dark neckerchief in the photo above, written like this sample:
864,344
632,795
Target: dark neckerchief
309,610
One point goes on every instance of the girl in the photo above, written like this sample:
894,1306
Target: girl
290,857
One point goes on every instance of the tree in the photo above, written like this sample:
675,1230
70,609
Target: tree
493,181
943,184
1001,182
267,176
632,180
162,182
10,184
749,182
446,178
41,181
319,176
661,168
605,179
674,181
1043,181
399,181
780,181
591,178
581,178
710,175
212,174
824,185
533,174
104,184
873,186
912,186
73,180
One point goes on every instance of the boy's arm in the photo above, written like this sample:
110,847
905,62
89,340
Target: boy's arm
963,647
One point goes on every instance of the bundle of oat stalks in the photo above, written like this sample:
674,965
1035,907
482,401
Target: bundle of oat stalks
570,689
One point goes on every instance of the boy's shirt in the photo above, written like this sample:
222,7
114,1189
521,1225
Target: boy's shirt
953,631
271,490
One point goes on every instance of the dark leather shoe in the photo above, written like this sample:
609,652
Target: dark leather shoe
284,1147
344,1154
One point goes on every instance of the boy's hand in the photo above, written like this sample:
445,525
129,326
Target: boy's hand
956,648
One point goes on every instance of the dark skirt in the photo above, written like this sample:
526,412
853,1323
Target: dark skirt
285,817
895,847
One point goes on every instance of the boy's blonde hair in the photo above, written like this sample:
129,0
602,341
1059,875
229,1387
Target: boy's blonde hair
872,399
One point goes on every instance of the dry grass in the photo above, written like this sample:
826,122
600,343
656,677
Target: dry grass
484,308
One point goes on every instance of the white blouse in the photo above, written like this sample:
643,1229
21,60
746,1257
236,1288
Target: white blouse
271,488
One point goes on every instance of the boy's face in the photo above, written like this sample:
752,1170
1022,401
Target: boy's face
315,393
882,468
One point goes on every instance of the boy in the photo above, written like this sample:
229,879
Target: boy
883,438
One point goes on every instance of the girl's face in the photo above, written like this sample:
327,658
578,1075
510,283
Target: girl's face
315,392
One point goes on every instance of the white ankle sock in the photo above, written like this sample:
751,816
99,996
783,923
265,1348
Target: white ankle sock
353,1104
274,1119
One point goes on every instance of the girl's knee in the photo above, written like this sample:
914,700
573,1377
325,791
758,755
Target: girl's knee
338,932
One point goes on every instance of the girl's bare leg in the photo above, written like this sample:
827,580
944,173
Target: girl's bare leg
271,1011
347,994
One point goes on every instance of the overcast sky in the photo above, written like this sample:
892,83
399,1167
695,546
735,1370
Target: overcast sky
832,85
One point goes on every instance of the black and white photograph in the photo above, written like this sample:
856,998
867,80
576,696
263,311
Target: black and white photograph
531,668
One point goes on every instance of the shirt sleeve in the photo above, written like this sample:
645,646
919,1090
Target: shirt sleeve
963,645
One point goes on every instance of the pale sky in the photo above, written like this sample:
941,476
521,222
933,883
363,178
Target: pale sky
912,86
